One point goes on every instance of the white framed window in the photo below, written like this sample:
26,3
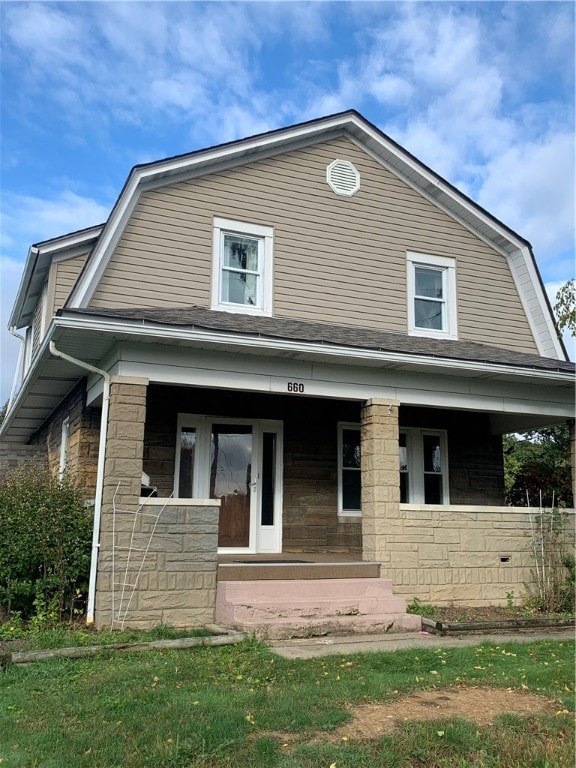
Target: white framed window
64,447
242,267
423,466
349,470
432,307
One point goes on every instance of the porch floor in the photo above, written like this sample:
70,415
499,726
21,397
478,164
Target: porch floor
295,566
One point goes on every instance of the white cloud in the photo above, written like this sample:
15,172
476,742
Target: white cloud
29,219
530,186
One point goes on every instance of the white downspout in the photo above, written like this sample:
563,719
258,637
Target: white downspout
19,374
99,474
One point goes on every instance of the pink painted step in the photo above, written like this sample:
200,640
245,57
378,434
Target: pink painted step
302,608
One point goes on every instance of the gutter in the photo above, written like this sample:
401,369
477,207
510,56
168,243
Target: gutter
19,372
143,328
99,473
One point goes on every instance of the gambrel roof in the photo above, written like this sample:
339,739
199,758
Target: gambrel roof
385,151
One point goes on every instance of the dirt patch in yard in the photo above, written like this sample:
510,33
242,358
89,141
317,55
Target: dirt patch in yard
482,705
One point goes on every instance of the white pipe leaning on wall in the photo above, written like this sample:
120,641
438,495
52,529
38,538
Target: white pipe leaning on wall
19,373
99,473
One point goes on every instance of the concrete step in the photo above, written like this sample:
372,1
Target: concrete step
284,570
303,608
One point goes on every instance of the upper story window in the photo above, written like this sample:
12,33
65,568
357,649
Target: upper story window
432,296
242,267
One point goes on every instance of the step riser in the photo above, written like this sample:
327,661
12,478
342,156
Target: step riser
306,589
287,628
314,609
299,571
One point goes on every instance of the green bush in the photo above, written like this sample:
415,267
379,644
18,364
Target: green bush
45,532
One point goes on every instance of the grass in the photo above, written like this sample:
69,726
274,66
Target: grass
64,636
221,707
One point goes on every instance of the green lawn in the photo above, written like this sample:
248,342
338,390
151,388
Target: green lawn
243,707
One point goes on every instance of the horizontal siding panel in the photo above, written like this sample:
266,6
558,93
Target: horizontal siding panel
336,259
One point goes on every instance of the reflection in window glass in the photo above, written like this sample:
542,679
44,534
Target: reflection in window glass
187,451
404,477
433,493
240,270
351,473
429,298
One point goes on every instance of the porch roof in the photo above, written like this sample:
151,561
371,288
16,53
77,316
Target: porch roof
198,318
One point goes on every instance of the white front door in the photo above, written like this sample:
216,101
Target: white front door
239,462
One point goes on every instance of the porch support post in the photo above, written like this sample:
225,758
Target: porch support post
122,477
380,476
572,428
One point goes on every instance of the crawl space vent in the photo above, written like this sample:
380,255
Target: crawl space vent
342,177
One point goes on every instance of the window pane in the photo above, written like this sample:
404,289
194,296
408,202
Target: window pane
268,477
230,460
351,448
433,489
404,494
428,314
403,453
432,458
241,252
351,489
429,283
186,473
239,288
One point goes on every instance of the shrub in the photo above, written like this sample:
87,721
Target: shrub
45,554
554,567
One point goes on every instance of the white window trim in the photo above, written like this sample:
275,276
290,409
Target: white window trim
345,425
266,236
448,267
414,444
64,438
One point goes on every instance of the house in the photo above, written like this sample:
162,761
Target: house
306,345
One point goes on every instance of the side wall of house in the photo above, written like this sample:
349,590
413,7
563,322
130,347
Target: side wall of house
310,519
83,439
335,258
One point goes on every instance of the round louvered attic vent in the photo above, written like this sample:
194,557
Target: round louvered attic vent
342,177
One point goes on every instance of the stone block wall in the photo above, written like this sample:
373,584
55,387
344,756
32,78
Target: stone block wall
460,555
83,439
168,550
14,455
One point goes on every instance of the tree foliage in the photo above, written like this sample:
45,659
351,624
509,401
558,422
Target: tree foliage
537,468
45,533
565,307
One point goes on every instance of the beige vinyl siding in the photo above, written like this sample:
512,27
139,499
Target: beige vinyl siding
336,259
65,273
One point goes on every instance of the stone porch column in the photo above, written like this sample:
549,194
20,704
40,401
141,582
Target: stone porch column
122,476
380,476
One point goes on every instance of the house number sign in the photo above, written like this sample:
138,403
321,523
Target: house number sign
295,386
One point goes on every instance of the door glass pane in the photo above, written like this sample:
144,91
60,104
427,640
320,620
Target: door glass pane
187,453
230,478
428,282
241,252
268,477
239,288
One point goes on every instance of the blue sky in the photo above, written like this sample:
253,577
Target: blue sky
481,92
